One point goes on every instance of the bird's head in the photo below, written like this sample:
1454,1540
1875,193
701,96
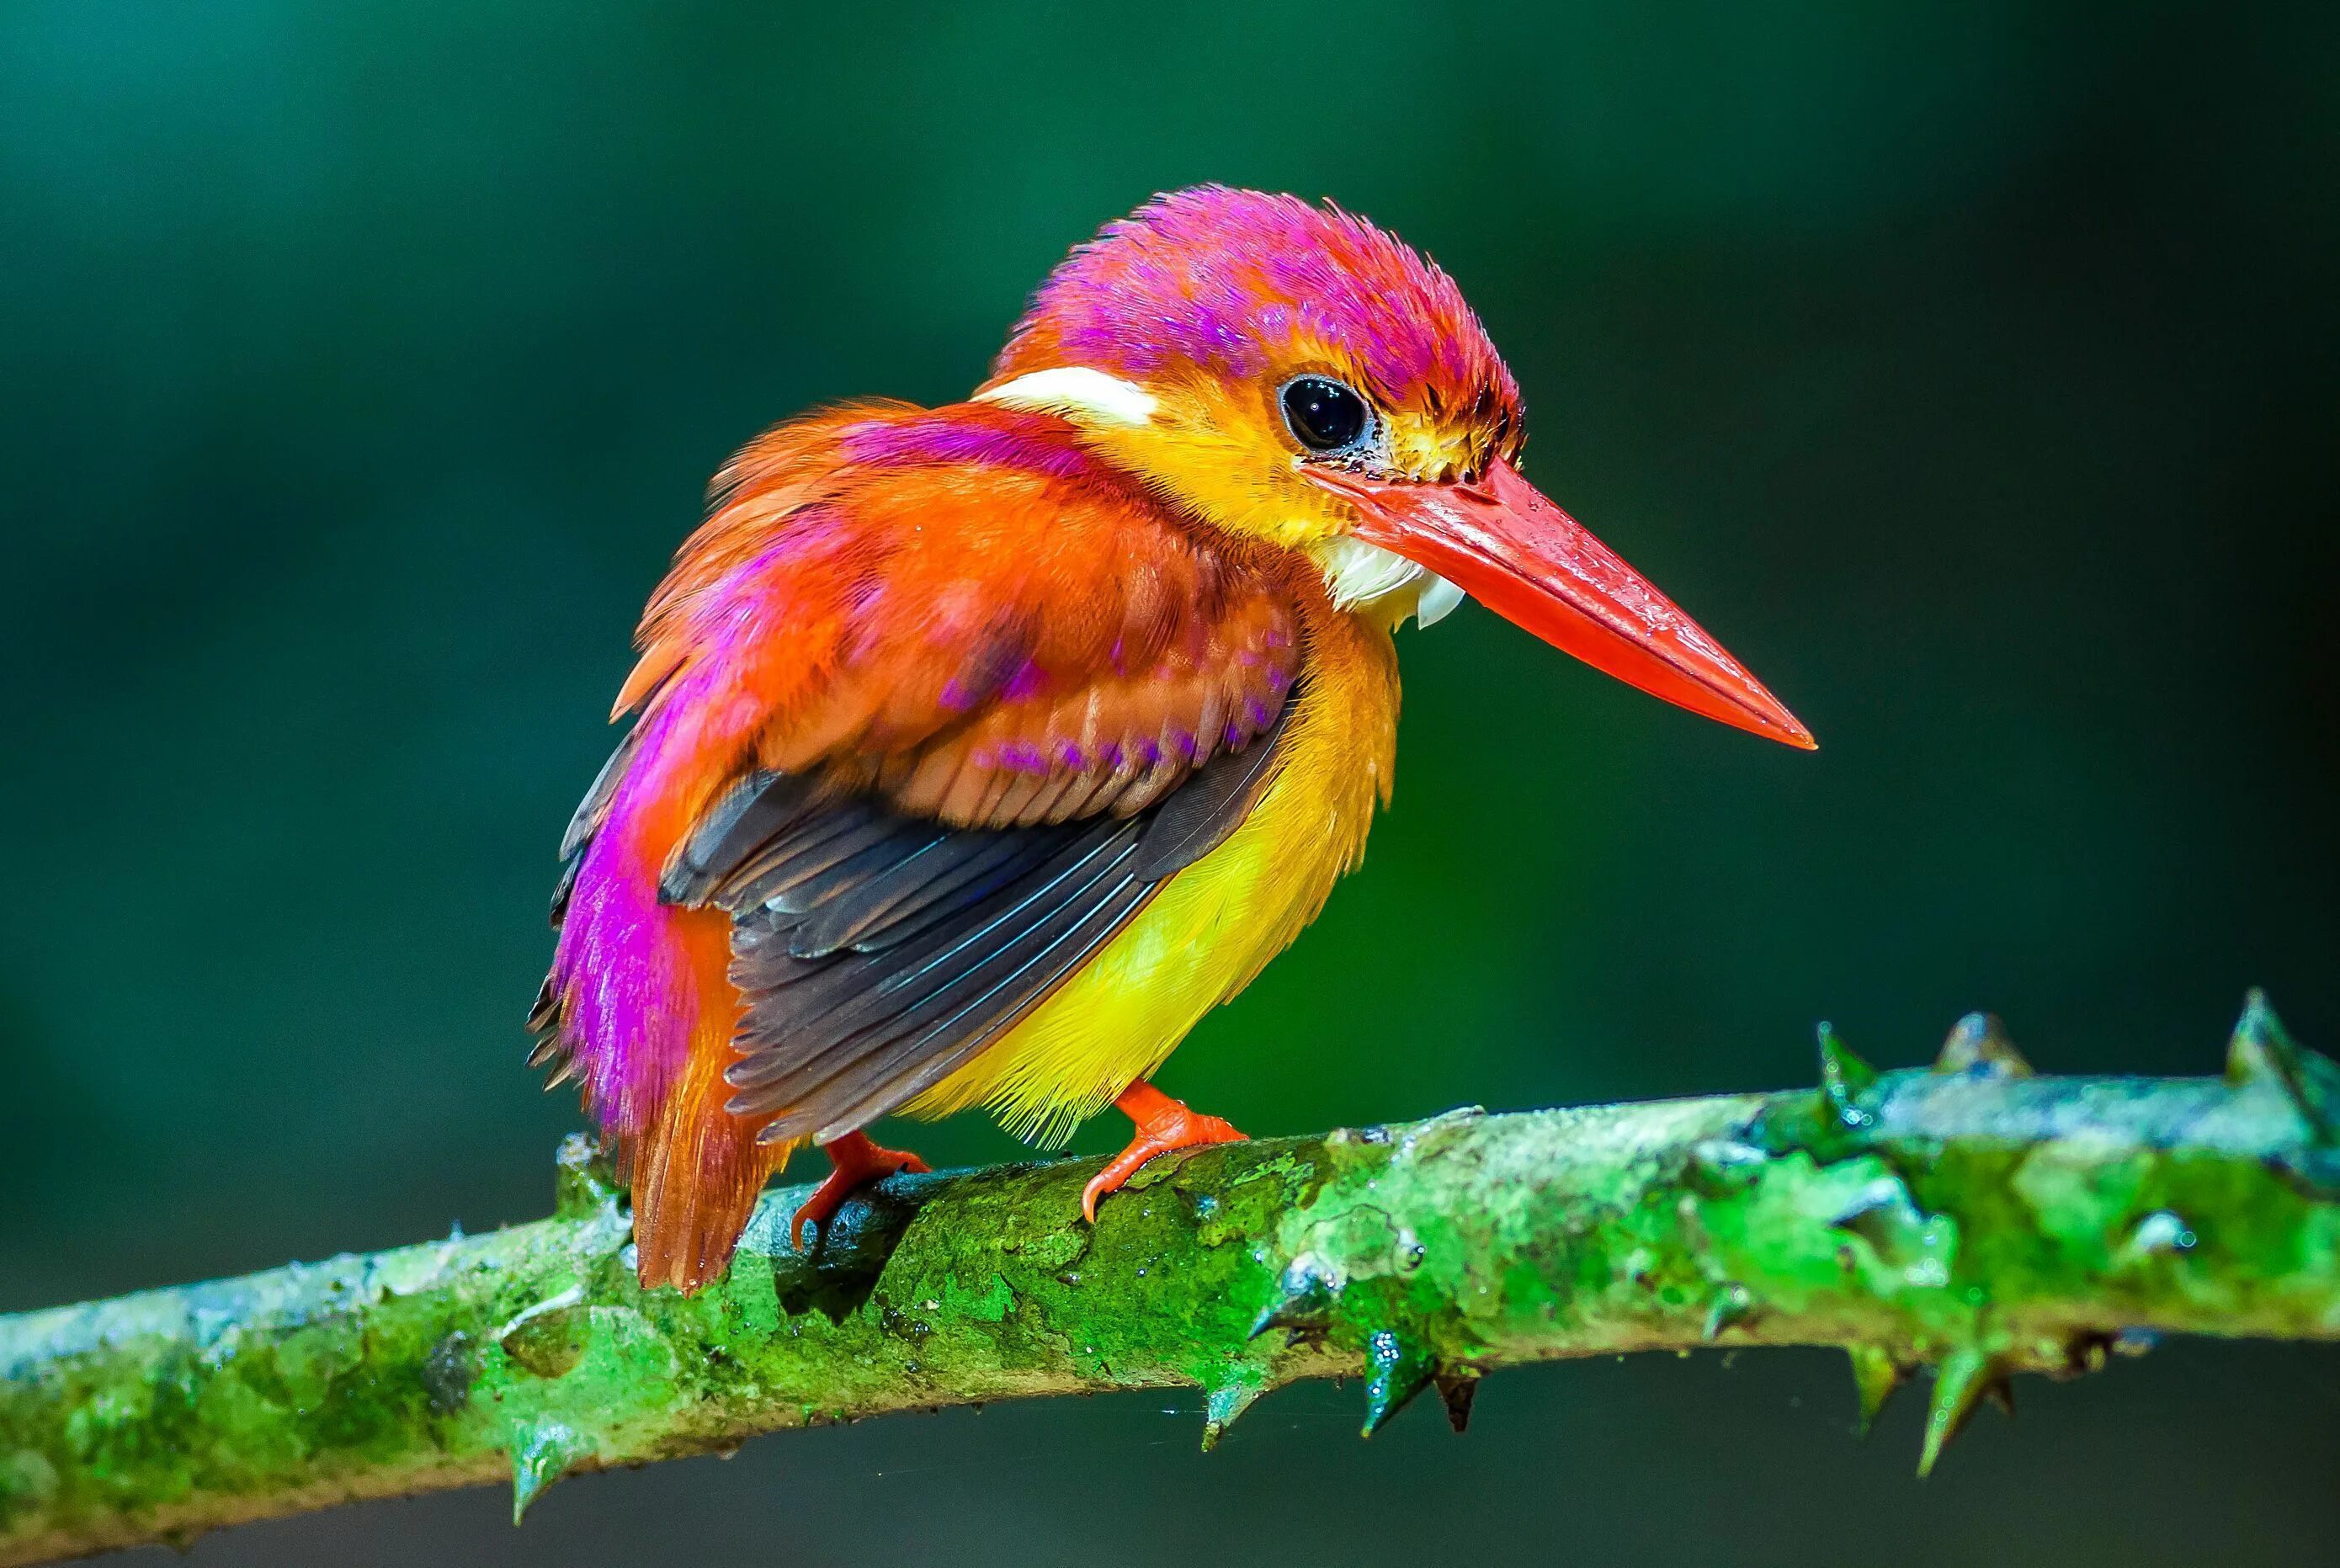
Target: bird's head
1294,374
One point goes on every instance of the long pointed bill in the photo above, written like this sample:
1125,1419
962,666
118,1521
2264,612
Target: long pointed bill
1506,546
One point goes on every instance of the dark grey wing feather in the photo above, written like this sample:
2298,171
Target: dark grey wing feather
594,809
877,952
752,813
885,907
583,823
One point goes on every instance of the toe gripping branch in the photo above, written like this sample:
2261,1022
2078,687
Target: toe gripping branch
854,1162
1164,1127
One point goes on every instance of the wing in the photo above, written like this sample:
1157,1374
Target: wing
877,951
930,707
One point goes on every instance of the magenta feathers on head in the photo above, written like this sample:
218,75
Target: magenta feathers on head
1211,275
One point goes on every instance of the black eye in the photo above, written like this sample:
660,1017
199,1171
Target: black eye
1324,415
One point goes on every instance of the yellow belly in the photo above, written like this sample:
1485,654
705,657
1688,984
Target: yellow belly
1215,925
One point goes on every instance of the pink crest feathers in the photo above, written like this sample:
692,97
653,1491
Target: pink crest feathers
1233,281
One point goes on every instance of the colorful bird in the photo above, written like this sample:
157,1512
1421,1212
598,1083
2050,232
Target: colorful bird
978,751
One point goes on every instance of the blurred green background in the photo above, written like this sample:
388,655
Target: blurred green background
1973,371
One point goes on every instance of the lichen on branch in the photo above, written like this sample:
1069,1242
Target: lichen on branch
1970,1217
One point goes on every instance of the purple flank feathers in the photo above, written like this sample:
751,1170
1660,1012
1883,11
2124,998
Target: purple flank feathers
1003,439
628,1013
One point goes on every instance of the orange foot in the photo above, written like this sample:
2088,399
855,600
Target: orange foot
1162,1125
854,1162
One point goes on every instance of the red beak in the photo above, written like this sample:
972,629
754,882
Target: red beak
1503,543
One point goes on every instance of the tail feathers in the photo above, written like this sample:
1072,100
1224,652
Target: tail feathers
698,1169
687,1223
696,1183
639,1010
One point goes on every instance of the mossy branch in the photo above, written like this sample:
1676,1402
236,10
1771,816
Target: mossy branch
1970,1217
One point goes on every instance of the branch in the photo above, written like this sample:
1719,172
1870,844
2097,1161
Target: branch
1970,1217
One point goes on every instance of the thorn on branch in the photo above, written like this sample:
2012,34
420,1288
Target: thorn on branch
1877,1374
1398,1372
1960,1382
583,1182
543,1452
1977,1043
2158,1234
1733,1305
1458,1387
1224,1405
1303,1304
1883,1215
2262,1050
1844,1077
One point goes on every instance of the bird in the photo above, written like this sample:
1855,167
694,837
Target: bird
977,751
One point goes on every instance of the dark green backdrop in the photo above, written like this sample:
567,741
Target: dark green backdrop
1969,370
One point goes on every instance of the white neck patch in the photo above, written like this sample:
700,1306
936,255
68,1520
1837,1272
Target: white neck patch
1077,392
1366,578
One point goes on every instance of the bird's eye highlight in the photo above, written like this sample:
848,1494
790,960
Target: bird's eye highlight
1325,416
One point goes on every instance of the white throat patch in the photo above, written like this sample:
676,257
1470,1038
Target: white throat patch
1077,391
1366,578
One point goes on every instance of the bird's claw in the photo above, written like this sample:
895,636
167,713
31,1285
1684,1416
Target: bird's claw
854,1162
1164,1127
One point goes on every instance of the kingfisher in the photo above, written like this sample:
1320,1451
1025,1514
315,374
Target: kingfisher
977,751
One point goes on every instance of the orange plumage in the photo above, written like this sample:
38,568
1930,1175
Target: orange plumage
977,751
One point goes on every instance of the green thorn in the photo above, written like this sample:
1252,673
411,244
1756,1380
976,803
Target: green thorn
1959,1383
582,1183
2262,1050
1876,1374
543,1452
1977,1043
1458,1388
1398,1373
1844,1077
2162,1232
1733,1305
1882,1214
1725,1167
1223,1406
1303,1304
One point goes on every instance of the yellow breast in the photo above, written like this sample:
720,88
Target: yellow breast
1217,923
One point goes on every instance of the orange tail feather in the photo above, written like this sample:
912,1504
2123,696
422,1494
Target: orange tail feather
700,1169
